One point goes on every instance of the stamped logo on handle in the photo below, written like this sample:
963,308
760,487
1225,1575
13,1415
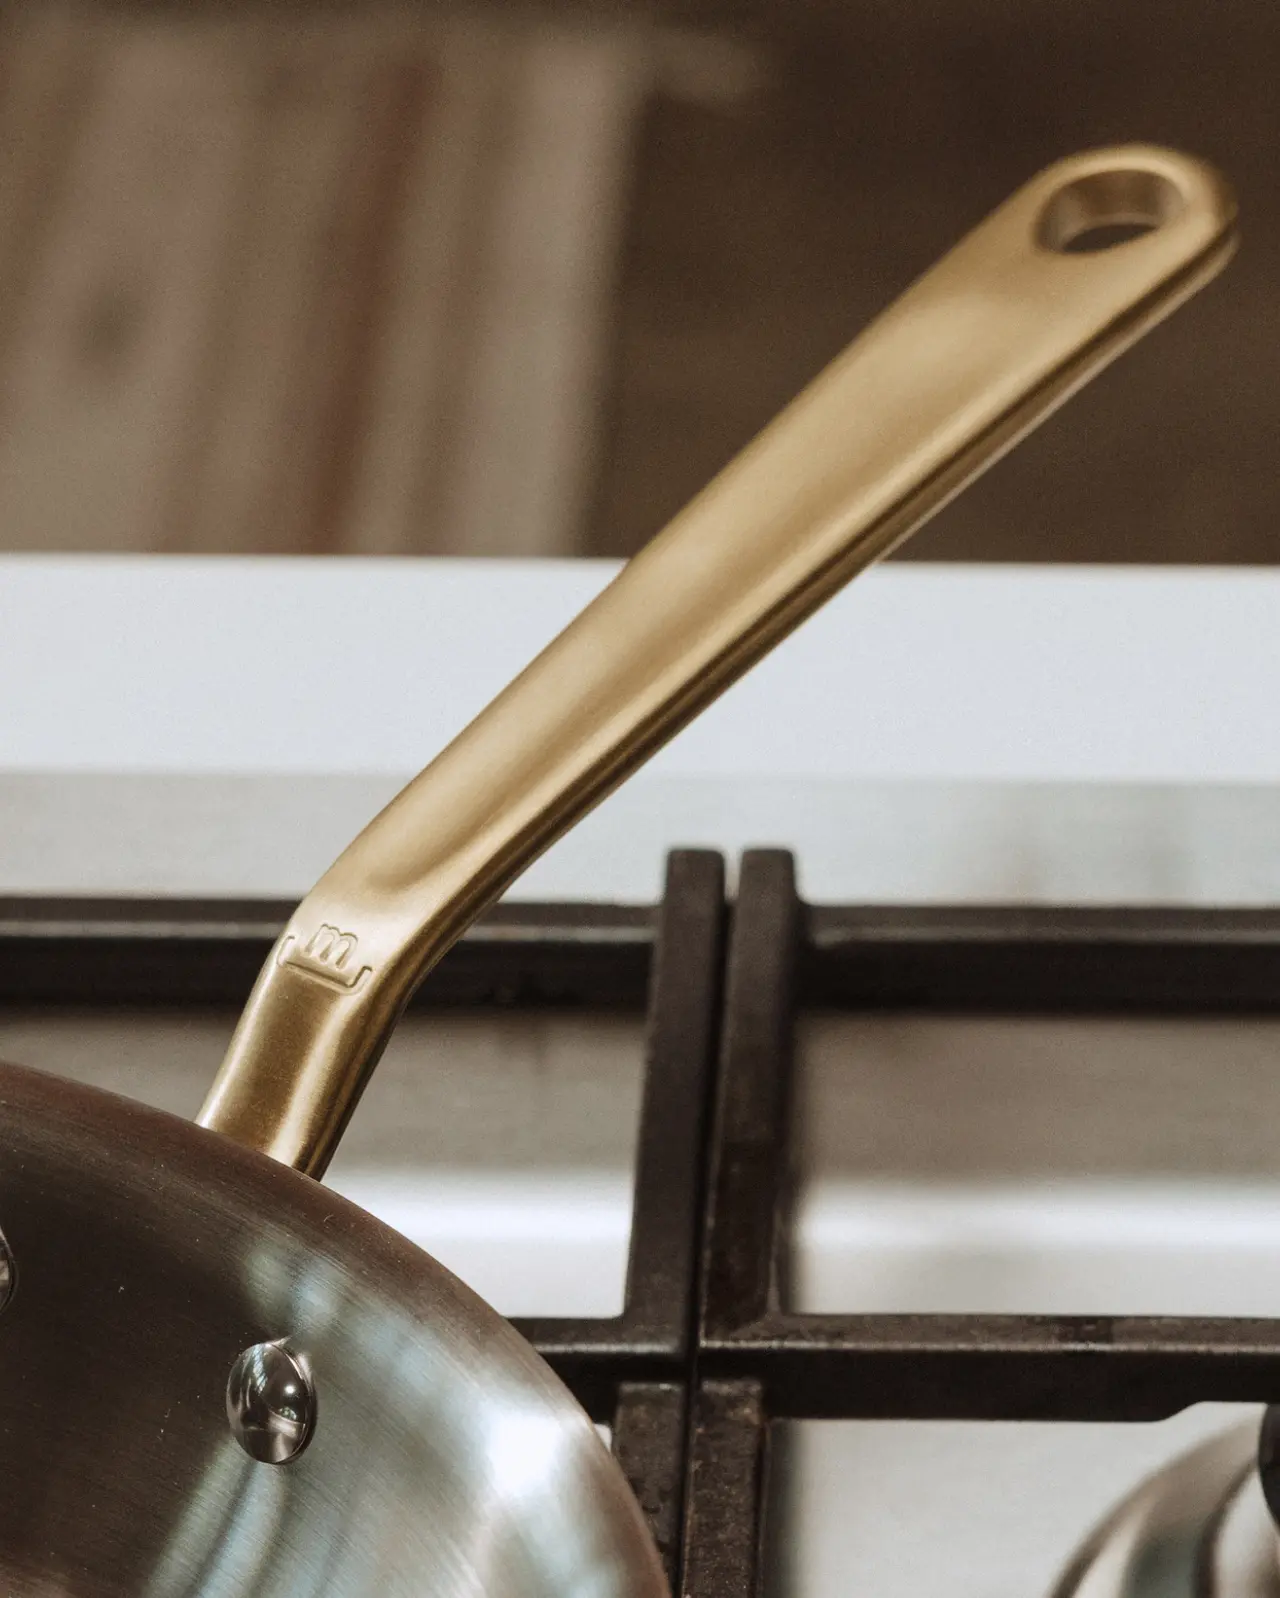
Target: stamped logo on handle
329,954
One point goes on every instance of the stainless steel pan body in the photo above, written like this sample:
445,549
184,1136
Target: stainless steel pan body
1198,1528
149,1254
216,1377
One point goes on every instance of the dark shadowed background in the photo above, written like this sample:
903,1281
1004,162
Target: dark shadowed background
518,279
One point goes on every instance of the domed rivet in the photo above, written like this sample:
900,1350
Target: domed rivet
271,1403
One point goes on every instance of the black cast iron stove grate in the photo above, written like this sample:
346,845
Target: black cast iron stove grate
704,1358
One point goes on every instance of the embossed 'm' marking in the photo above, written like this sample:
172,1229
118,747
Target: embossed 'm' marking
328,954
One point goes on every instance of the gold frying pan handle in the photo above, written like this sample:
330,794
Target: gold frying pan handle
977,352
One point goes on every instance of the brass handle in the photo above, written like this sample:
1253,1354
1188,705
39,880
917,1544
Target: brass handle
977,352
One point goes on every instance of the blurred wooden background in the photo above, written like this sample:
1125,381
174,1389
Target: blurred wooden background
305,284
517,279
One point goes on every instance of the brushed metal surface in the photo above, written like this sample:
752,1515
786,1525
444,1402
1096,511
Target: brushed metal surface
989,342
1243,1558
446,1458
1158,1543
1198,1528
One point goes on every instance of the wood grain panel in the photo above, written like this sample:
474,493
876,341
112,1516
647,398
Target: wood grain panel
104,364
335,283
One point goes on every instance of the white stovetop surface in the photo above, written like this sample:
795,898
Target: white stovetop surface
206,726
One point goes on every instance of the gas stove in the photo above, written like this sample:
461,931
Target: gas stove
898,1248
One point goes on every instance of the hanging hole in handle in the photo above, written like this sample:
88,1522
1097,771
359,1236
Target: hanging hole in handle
1106,209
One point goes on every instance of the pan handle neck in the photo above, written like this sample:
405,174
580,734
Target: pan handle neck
1021,313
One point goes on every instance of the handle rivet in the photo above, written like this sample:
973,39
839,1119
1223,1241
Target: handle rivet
271,1403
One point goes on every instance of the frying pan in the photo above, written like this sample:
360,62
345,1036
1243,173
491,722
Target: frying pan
1203,1526
1197,1528
219,1378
